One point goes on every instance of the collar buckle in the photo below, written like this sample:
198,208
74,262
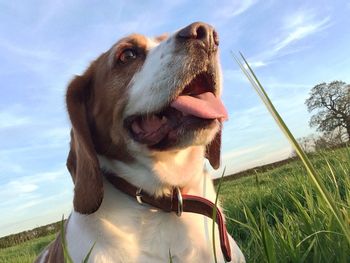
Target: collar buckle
138,196
180,207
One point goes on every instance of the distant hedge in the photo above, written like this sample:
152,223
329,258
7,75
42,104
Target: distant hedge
15,239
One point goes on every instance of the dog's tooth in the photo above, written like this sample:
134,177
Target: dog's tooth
164,120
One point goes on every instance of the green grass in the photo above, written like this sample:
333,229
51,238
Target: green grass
25,252
281,218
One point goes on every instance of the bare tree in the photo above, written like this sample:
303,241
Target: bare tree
307,143
332,105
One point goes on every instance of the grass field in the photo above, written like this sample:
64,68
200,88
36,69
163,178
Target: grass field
25,252
275,216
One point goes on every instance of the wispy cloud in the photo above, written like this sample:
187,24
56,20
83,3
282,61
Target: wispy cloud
258,64
299,31
33,147
230,9
21,187
30,183
25,52
16,188
294,28
27,205
9,119
8,166
37,200
46,176
13,116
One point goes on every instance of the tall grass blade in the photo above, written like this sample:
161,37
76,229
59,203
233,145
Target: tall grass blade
313,175
333,175
303,258
268,241
316,233
170,257
89,253
67,257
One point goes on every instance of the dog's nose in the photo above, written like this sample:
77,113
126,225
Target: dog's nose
201,32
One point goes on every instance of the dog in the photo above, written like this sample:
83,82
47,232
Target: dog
145,115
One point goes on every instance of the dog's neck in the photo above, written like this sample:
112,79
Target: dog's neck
158,172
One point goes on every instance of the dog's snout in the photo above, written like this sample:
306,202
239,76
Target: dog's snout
201,32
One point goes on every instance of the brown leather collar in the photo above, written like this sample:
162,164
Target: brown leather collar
178,203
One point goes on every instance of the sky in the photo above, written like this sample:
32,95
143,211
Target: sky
291,45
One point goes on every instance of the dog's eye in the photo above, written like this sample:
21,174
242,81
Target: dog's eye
127,55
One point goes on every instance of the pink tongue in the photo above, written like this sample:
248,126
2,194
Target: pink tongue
205,106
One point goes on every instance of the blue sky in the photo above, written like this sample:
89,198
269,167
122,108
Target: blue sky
292,45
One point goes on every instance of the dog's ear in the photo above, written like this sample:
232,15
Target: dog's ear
213,151
162,37
82,160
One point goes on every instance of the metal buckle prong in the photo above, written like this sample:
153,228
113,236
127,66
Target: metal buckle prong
139,196
179,202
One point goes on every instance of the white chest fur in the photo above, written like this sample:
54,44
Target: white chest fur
125,231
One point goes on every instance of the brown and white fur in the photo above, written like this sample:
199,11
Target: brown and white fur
102,103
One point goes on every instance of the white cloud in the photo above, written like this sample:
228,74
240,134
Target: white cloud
297,19
36,200
47,176
294,28
230,9
27,205
30,148
26,52
30,183
257,64
21,187
15,188
9,119
300,31
9,167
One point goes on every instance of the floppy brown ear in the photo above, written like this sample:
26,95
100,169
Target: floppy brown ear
82,160
213,151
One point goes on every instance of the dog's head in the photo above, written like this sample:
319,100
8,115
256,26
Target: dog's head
144,95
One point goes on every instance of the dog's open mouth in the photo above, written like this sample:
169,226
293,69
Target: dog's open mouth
194,108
